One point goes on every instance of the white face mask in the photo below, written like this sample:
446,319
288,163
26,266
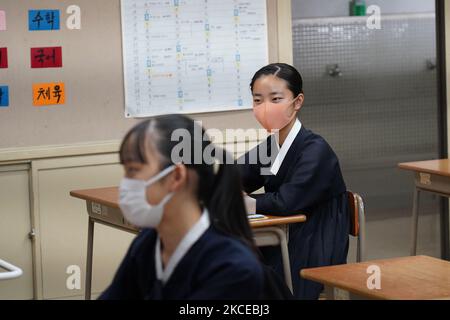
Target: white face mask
133,201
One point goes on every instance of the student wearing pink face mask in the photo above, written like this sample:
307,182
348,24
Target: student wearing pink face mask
303,176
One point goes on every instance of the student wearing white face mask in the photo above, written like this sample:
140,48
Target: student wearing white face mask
196,241
304,176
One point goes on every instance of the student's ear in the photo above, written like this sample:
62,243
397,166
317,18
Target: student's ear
178,178
299,102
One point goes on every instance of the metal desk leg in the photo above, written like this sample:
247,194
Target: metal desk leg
271,236
445,238
90,250
415,221
329,292
286,261
284,255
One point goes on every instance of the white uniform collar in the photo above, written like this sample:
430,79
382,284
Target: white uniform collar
285,147
183,247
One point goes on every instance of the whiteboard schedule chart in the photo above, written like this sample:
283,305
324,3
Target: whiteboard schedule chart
191,56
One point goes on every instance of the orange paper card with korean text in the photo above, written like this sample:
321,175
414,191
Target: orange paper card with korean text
48,94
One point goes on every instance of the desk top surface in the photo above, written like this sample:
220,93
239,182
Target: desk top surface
110,198
416,277
440,167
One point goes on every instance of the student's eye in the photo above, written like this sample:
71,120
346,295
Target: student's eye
277,99
257,101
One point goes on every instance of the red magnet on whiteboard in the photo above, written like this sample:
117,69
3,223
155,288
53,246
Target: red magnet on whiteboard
3,58
49,57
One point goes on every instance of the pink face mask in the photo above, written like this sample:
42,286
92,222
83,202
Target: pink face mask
274,116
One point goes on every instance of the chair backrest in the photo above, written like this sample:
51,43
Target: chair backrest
354,213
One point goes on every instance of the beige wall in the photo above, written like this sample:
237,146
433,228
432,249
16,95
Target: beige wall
93,75
35,178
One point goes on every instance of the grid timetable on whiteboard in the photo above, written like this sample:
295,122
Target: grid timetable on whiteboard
188,56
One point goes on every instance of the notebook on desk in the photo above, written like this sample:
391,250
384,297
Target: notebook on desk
254,216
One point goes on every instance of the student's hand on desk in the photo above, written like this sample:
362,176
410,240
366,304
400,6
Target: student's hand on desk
250,204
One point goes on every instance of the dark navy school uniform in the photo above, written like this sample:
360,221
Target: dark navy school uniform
215,267
308,181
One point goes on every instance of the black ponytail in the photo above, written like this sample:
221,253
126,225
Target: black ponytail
219,189
227,207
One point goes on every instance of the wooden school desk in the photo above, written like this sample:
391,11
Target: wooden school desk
407,278
103,207
432,176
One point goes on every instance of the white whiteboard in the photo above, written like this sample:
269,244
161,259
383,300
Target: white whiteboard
190,56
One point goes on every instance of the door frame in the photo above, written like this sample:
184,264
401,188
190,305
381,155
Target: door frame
441,54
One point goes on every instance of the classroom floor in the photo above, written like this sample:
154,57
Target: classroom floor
391,237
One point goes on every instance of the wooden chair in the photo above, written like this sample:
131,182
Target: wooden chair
357,223
357,227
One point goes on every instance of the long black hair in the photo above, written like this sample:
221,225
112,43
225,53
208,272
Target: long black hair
283,71
220,190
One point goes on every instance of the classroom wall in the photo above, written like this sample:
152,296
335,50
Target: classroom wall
87,114
339,8
93,75
46,154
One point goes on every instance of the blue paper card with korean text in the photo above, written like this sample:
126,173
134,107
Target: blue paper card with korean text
4,96
39,20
